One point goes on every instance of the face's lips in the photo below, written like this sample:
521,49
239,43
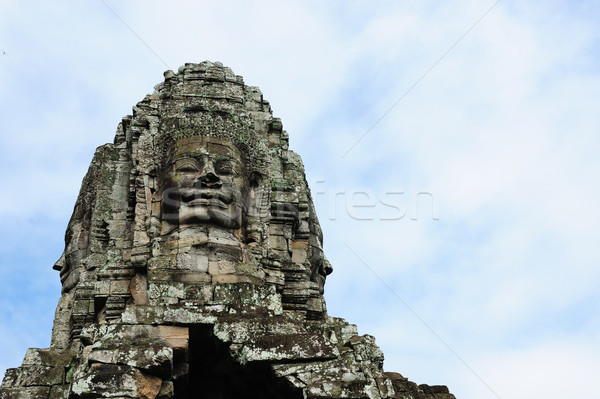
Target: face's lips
203,197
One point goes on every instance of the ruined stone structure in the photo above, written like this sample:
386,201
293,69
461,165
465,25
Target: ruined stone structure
193,265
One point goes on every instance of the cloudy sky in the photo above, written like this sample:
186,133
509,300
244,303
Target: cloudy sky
452,152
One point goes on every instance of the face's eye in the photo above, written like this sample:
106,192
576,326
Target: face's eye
225,167
187,168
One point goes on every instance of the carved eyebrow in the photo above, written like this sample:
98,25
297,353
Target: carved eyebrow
187,156
226,159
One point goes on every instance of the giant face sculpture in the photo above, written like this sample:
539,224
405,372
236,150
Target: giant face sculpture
204,182
214,197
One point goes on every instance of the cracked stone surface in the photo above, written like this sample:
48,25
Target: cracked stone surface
193,265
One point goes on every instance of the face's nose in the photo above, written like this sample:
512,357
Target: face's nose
326,268
208,178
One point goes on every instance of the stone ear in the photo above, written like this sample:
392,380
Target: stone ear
255,179
151,170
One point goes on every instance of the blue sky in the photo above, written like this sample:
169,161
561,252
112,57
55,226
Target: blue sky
498,297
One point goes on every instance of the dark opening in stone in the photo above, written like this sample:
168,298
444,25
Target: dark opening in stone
214,374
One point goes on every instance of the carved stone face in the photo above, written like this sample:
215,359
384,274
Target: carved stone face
204,183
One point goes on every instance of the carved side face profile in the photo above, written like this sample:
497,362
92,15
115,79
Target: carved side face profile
204,182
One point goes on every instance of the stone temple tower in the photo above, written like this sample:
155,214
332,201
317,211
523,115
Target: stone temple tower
193,265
